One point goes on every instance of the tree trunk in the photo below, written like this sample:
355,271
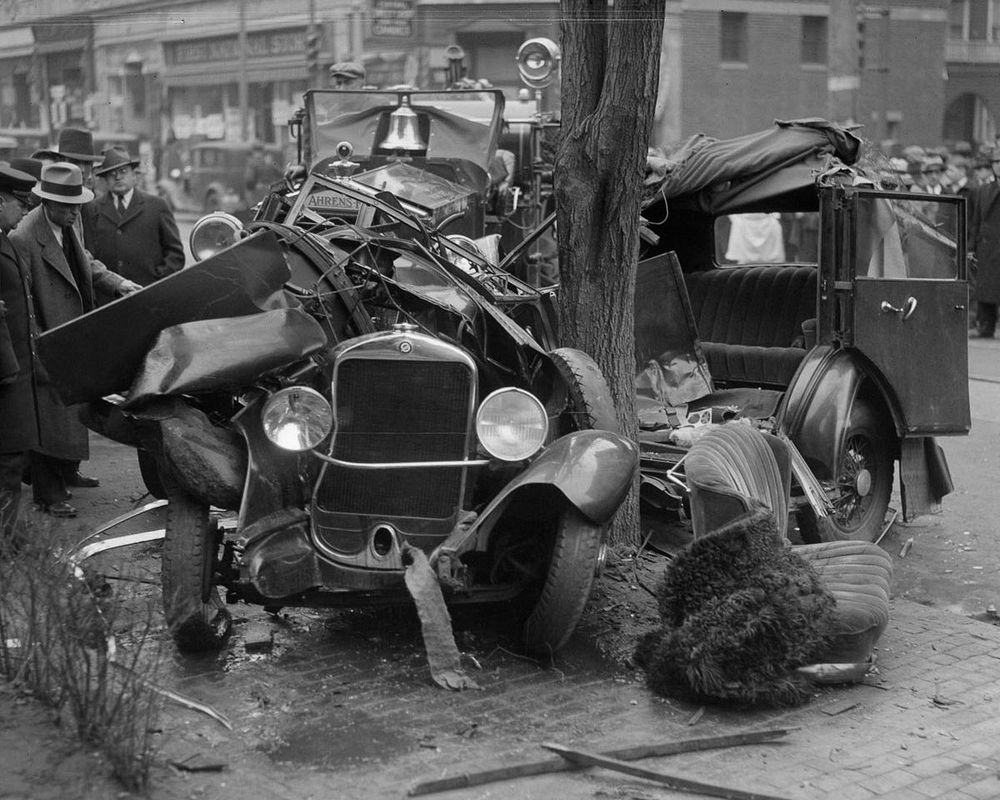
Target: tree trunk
610,58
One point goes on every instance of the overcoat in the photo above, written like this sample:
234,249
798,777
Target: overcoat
18,402
142,245
58,299
984,240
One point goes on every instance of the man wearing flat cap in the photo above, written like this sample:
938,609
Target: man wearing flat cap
66,283
347,75
18,330
132,232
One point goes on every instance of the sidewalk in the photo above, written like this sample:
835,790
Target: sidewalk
926,725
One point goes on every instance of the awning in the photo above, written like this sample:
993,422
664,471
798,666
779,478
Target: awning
211,76
67,46
16,42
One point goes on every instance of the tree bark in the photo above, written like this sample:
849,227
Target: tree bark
610,72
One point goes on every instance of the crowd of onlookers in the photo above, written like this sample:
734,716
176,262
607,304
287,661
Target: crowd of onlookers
972,174
940,170
64,250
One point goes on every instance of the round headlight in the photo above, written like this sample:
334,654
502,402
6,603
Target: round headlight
511,424
297,418
213,233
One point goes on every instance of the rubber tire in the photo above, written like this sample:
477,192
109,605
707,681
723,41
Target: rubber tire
150,473
863,434
591,406
576,551
196,617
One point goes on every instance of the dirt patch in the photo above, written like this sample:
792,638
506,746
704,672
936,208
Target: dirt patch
623,605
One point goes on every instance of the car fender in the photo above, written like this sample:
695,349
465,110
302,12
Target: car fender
817,405
592,469
208,461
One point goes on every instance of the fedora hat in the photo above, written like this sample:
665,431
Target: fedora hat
33,166
77,144
14,180
115,157
63,183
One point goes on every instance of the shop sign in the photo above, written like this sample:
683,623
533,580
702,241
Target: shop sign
260,44
281,112
391,19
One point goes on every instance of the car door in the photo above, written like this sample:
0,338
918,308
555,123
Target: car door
909,296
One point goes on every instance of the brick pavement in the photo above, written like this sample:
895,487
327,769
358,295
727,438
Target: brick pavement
361,720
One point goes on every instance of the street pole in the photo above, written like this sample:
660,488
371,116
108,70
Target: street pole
884,69
244,99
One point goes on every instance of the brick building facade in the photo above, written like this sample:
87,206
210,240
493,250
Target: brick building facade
909,71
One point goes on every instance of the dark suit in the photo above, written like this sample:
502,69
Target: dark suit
143,245
984,241
61,292
18,401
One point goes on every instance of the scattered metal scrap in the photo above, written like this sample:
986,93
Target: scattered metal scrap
585,758
655,750
435,621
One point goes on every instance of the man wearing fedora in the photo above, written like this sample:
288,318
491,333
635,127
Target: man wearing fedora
18,406
133,233
66,283
76,146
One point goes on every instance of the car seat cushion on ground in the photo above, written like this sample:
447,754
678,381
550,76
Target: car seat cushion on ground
736,466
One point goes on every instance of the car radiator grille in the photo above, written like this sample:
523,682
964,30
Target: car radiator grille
392,411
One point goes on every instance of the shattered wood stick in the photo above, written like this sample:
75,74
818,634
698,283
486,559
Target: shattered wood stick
671,781
550,765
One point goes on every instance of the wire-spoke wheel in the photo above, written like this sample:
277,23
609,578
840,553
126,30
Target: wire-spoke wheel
862,485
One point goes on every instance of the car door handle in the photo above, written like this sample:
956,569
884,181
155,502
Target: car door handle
906,311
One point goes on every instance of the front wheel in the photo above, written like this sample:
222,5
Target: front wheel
590,405
863,484
197,619
577,550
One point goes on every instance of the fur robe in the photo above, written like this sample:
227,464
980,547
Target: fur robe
740,613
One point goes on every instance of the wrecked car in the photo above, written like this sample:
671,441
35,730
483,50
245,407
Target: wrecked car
342,394
782,285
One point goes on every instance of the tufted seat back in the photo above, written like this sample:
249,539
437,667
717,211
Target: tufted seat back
750,320
755,306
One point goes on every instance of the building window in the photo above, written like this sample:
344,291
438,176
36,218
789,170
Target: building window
956,19
978,20
733,41
135,88
814,40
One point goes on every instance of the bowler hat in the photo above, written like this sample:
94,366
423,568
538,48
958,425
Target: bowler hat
115,157
63,183
348,69
77,144
14,180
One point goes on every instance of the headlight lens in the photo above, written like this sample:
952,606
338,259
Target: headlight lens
297,418
511,424
213,233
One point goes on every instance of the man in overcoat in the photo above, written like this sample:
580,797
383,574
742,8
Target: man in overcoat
984,250
66,283
18,410
133,233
